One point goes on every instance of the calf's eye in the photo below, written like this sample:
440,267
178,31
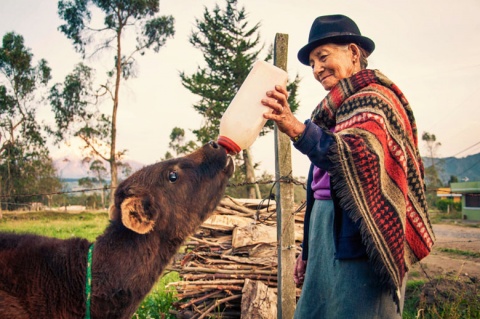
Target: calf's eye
173,176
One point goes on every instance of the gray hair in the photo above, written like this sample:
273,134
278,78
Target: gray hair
363,54
363,57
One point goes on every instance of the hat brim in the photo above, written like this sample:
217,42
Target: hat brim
364,42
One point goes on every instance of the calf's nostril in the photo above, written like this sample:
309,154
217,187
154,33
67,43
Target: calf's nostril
213,144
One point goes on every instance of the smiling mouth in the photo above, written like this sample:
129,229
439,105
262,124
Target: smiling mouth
323,78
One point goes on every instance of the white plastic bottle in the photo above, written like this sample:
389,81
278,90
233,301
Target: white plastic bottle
243,120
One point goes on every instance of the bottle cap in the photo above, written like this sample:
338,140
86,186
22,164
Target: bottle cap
229,145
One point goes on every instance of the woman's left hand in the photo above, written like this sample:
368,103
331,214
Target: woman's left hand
287,123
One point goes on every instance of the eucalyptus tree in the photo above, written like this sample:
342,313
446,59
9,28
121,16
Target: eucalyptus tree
230,46
100,173
76,102
432,175
25,165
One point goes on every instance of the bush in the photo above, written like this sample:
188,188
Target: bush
443,204
457,206
159,301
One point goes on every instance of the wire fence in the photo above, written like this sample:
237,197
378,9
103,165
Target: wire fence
86,196
97,197
291,180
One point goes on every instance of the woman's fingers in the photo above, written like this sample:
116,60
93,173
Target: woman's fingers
299,271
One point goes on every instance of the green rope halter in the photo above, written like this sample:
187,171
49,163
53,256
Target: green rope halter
88,282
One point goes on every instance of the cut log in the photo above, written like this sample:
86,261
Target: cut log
226,222
238,243
253,234
258,301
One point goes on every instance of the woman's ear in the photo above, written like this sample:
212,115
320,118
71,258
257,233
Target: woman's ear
355,52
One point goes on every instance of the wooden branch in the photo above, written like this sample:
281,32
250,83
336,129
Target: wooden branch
225,271
242,209
213,271
197,300
192,277
217,303
210,282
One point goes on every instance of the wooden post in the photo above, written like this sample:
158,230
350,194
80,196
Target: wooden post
285,221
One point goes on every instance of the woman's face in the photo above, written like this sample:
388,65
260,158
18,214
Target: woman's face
332,62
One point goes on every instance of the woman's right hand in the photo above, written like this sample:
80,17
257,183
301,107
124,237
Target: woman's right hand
287,123
299,272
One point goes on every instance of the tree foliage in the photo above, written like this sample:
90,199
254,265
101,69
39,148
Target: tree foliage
100,174
76,103
178,144
432,175
25,165
230,46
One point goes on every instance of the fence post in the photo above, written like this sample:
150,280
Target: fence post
285,220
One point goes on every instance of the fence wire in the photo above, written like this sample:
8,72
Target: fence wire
85,190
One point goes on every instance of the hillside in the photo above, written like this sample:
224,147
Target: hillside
73,167
465,168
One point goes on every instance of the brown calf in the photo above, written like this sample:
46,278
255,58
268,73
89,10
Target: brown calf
155,210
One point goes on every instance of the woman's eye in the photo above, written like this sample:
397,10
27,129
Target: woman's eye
172,176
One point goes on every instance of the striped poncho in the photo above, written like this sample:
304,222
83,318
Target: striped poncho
378,172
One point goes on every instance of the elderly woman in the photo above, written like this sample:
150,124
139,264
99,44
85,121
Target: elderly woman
366,221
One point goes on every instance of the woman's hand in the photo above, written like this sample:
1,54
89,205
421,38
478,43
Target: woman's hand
282,115
299,272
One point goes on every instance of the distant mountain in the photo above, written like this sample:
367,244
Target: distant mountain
465,168
73,167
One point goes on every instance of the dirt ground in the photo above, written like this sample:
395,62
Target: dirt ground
460,236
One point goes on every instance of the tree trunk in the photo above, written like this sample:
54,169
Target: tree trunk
103,198
113,153
253,191
1,214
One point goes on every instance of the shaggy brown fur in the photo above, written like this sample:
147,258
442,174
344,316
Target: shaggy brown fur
155,210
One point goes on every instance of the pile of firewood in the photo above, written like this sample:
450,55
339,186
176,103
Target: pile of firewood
230,265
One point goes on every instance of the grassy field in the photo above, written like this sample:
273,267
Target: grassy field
87,225
55,224
439,298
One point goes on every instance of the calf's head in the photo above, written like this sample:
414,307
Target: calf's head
173,196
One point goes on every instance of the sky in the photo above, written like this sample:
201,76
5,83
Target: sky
429,48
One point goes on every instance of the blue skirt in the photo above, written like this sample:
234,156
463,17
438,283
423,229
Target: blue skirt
339,288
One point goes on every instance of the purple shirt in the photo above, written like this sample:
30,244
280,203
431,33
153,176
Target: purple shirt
321,184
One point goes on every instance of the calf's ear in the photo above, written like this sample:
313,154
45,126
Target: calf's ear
134,216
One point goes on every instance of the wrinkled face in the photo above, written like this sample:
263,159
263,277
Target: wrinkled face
174,195
332,62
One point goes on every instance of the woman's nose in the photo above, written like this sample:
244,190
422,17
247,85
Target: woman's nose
317,68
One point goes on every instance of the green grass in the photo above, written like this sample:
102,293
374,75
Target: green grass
442,298
54,224
459,252
451,301
159,301
412,298
88,225
438,217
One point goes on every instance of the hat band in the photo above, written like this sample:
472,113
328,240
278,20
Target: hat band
334,34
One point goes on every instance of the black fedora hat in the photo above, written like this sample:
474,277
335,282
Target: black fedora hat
333,29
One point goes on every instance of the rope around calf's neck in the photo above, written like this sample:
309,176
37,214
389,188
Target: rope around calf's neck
88,282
